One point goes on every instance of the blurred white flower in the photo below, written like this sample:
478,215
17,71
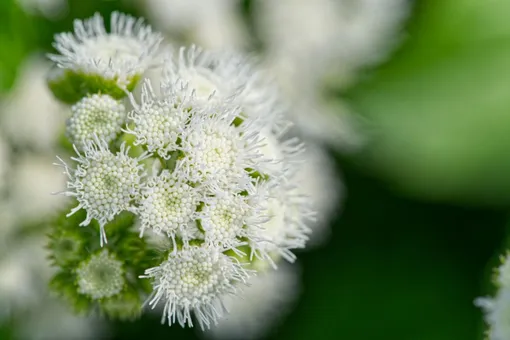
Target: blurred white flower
212,23
32,180
24,275
53,320
497,314
325,40
260,306
325,34
320,183
23,272
31,117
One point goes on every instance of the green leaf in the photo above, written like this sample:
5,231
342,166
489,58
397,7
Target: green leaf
440,109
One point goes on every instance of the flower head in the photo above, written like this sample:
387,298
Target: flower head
168,205
127,50
193,280
215,152
101,276
96,61
224,217
157,122
96,115
104,183
220,77
497,314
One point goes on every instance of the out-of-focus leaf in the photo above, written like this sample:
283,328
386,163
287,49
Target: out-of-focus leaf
440,109
16,37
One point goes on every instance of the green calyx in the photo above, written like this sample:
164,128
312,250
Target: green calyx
70,86
108,284
257,175
66,248
124,306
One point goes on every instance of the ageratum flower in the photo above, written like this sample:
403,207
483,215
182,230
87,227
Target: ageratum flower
206,171
221,77
92,60
194,279
103,183
96,115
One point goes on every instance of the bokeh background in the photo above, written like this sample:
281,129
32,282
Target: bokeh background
409,101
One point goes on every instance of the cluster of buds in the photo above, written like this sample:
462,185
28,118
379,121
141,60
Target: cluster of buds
186,191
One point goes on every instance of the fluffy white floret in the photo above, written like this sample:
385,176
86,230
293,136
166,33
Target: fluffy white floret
126,51
96,115
157,122
168,205
216,153
225,216
104,183
193,280
219,77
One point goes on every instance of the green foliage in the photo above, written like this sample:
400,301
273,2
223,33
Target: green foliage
16,38
69,86
439,109
70,245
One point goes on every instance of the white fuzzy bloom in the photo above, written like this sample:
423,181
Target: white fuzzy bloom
105,184
193,280
216,153
320,188
224,219
24,272
265,301
157,122
95,115
168,205
497,314
212,23
288,210
32,178
101,276
287,225
125,52
321,41
324,31
220,77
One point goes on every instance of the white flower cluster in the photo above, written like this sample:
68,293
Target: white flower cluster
497,308
204,164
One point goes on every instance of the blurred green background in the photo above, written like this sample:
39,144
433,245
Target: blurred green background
427,197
